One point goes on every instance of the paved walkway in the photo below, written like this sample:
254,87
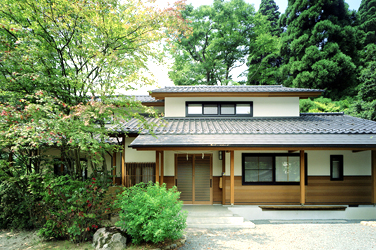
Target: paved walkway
348,235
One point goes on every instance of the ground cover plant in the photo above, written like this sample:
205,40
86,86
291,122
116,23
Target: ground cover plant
151,213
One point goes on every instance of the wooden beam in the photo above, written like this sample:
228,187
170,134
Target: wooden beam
232,179
162,166
357,151
291,151
373,176
114,166
123,168
302,178
156,166
223,178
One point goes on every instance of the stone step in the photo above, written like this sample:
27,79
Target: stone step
193,220
227,213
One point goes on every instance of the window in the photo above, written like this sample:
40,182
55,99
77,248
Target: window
140,172
283,169
219,108
61,169
336,167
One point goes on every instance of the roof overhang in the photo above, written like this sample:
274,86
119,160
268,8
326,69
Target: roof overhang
300,94
256,142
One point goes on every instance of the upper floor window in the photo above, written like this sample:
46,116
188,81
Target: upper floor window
219,108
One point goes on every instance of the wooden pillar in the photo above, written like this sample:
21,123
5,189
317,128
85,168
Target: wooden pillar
373,176
232,179
114,166
162,167
223,178
156,166
302,178
123,168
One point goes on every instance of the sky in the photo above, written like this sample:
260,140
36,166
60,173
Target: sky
160,72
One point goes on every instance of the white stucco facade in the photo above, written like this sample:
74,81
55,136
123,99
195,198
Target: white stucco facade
262,106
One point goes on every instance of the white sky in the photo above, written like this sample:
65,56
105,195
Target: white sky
161,71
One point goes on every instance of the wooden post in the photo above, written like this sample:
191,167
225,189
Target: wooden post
223,178
114,166
373,176
156,166
302,178
232,179
162,166
123,169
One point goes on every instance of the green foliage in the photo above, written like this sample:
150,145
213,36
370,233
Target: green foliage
269,8
221,37
19,196
367,19
319,47
75,49
74,209
150,212
365,106
322,104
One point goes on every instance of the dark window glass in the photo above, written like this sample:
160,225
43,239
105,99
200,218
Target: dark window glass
258,169
272,169
336,167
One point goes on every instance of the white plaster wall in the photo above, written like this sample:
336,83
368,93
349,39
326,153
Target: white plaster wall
132,155
353,163
262,106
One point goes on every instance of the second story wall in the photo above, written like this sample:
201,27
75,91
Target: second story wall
262,106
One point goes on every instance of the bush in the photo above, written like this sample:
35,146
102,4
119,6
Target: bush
151,213
18,202
74,208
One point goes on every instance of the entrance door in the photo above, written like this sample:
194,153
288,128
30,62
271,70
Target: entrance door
193,177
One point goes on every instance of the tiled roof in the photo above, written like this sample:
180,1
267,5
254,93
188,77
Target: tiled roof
258,140
241,88
146,98
322,123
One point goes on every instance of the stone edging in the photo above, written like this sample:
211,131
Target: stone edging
368,223
174,245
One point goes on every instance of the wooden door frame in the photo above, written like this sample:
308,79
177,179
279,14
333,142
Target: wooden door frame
193,179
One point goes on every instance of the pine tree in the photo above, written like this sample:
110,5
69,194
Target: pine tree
319,46
367,19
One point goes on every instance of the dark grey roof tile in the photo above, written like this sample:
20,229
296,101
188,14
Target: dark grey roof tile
305,124
237,88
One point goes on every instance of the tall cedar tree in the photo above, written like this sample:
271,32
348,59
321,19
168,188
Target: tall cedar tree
269,8
319,46
367,19
262,64
222,36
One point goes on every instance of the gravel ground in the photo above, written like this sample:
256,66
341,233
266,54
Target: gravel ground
350,235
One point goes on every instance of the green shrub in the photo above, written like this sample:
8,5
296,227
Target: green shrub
151,213
19,202
74,208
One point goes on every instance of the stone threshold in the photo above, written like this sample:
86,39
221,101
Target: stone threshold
317,208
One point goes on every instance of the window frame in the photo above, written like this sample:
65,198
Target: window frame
218,109
274,155
340,178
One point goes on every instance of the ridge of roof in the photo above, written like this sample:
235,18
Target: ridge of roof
232,88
